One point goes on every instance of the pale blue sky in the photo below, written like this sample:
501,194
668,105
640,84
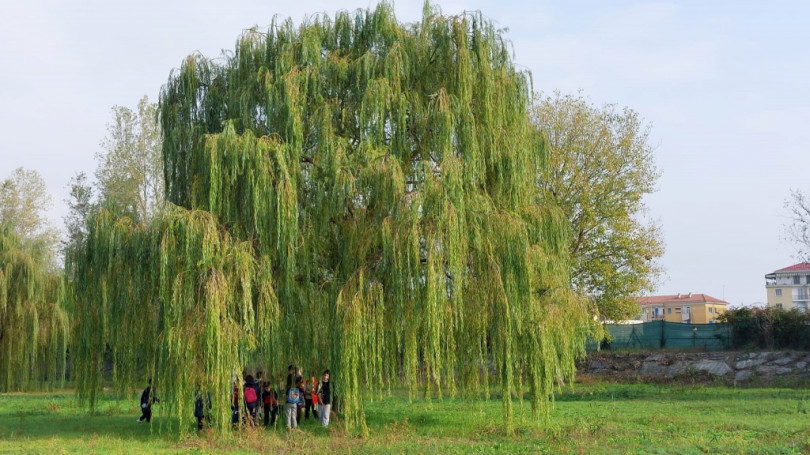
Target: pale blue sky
723,83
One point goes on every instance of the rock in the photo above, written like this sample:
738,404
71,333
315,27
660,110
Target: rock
598,365
801,365
743,364
678,367
653,369
715,367
656,358
773,370
783,361
742,375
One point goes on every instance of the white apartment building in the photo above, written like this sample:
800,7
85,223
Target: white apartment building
789,288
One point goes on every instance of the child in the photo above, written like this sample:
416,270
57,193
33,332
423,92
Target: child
235,404
309,398
299,381
251,399
324,399
147,398
270,399
199,409
293,395
315,398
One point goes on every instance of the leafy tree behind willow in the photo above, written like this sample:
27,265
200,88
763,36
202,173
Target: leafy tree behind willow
600,168
24,199
130,171
352,193
33,323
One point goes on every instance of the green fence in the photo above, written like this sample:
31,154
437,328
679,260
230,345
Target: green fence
666,335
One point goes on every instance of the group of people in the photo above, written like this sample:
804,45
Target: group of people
297,400
302,397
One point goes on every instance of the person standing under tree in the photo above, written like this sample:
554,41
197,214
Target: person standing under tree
293,396
199,409
324,399
251,399
309,403
147,398
299,381
270,401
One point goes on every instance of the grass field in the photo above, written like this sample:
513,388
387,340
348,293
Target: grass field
595,418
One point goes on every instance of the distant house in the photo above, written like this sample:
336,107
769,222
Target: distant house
789,288
687,308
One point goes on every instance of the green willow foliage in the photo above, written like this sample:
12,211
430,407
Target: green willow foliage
353,193
33,325
175,301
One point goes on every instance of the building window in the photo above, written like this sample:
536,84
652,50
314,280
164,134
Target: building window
779,293
797,279
807,278
779,305
678,310
669,310
711,310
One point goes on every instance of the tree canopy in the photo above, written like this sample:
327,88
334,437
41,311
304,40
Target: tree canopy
600,168
23,202
33,323
130,171
352,193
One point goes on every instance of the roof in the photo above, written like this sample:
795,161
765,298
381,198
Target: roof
679,298
800,267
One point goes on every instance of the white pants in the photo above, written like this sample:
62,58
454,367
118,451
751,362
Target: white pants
323,413
291,409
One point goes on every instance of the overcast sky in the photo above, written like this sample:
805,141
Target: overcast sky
724,85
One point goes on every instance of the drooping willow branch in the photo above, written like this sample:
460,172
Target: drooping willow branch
34,326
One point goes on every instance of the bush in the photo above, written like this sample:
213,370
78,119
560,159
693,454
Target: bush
768,328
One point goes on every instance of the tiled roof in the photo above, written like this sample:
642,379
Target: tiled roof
679,298
800,267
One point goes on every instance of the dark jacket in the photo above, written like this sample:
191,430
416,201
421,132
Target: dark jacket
325,393
146,398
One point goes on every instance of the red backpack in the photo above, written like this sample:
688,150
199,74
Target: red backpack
250,395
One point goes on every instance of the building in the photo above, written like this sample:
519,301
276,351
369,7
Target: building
686,308
789,288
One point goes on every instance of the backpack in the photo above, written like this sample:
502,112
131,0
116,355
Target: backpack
293,395
250,395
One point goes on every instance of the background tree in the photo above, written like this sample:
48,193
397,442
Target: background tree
33,324
24,199
130,170
80,205
600,167
353,193
798,231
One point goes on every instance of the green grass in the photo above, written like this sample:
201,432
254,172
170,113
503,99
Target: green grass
599,418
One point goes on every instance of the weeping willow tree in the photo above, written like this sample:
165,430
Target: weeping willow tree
33,324
175,301
352,193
